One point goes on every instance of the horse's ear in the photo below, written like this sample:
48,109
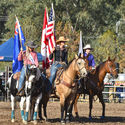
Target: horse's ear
109,59
76,57
80,55
114,59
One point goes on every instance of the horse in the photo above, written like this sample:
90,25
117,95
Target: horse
13,87
40,86
66,85
95,85
2,89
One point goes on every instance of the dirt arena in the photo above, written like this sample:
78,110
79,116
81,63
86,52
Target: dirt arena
115,114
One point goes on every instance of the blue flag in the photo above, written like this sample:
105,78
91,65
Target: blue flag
17,65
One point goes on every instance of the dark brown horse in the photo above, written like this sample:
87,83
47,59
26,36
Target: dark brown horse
95,85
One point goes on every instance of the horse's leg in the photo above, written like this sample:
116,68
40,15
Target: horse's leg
12,106
62,104
21,107
75,106
32,110
90,105
70,102
40,110
36,108
65,109
100,96
44,110
27,109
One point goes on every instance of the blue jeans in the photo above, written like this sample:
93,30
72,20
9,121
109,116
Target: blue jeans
22,76
53,71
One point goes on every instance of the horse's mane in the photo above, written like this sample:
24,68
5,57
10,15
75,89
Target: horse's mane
100,65
69,64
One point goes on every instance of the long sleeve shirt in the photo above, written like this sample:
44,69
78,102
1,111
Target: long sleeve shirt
60,55
90,59
28,60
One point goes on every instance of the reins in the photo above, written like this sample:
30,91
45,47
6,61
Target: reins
72,80
110,69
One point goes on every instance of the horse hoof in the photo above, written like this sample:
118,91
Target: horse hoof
90,118
12,120
62,122
25,122
77,116
102,117
45,118
35,122
67,121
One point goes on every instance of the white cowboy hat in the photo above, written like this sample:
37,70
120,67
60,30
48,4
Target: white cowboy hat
88,46
61,38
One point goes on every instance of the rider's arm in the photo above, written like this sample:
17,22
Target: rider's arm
93,62
51,55
66,56
36,60
20,56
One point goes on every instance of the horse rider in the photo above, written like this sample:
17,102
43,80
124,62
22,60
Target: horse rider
87,52
60,54
29,58
91,63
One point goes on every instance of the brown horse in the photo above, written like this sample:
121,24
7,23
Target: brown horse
95,85
66,86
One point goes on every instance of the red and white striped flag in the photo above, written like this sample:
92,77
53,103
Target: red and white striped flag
48,38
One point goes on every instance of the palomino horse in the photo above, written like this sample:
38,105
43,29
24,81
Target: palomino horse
95,85
32,74
66,85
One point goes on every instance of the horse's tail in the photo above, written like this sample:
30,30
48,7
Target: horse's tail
8,83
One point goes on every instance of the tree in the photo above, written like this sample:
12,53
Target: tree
105,46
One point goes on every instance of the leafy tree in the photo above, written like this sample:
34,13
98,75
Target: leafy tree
96,19
106,46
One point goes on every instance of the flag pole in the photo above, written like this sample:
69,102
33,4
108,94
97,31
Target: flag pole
53,18
53,29
80,45
19,32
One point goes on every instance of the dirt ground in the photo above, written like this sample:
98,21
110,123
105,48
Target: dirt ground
115,114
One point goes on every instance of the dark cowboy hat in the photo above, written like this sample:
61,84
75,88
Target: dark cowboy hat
31,44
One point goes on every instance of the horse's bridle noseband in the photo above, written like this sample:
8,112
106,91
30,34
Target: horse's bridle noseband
80,69
110,69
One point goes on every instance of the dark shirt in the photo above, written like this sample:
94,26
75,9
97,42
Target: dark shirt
60,55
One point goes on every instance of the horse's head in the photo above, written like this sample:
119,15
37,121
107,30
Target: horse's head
111,67
86,62
32,75
81,66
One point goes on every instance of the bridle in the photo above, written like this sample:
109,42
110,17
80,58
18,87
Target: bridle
80,69
110,69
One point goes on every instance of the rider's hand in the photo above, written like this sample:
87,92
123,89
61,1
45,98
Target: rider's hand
53,49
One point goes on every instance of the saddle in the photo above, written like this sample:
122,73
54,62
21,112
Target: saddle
59,75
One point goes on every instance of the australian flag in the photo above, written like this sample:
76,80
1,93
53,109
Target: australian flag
17,65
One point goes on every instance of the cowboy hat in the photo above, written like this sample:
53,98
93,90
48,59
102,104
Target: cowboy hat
88,46
31,44
61,38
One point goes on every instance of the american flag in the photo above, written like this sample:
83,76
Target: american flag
50,32
48,38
